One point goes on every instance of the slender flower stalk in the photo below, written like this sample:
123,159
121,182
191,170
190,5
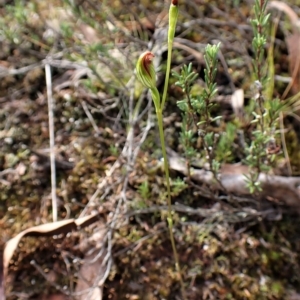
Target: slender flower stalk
146,74
173,15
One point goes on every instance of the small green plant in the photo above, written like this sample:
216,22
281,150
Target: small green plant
144,190
178,186
196,110
146,74
224,149
113,150
185,80
260,152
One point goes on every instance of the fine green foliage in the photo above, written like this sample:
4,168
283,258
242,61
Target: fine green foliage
200,122
196,110
260,151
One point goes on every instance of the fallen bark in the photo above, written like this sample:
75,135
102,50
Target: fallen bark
286,190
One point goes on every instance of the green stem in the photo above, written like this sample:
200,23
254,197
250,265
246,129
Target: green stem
170,46
173,15
170,217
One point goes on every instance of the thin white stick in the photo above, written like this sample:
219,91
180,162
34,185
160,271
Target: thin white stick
52,142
